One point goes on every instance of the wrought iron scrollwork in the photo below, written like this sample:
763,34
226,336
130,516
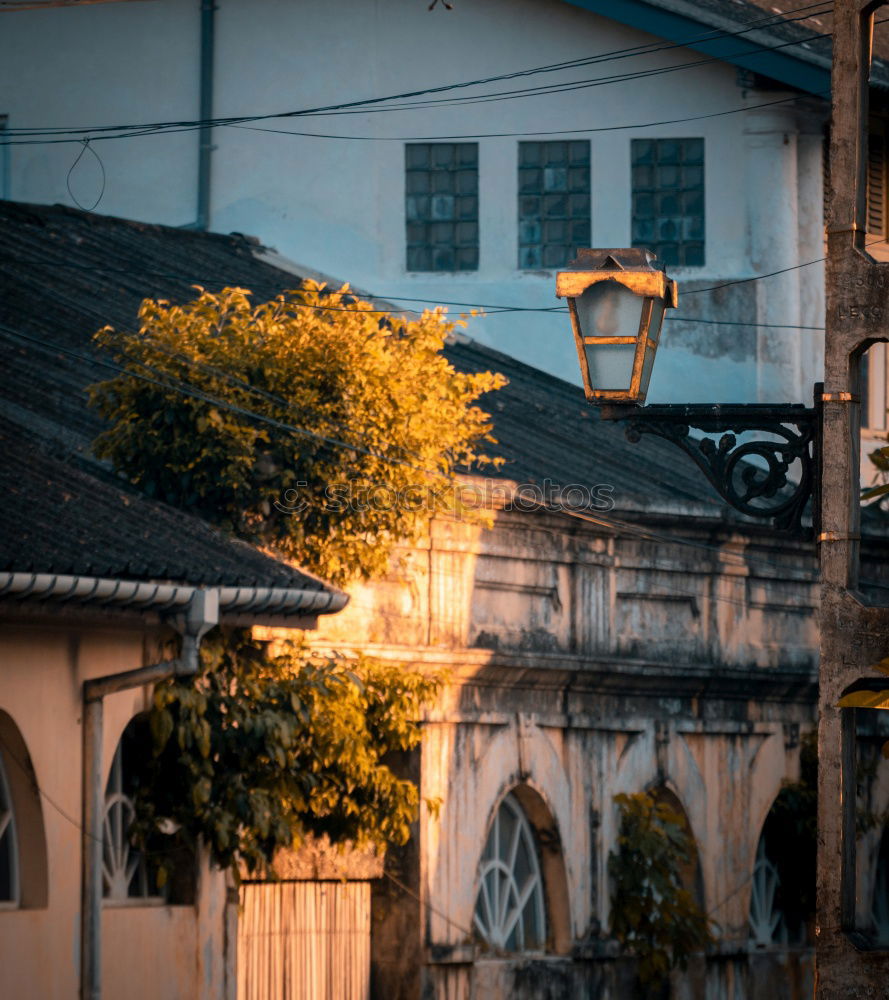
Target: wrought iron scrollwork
750,474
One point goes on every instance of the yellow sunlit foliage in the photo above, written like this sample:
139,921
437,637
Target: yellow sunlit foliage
310,424
266,747
286,423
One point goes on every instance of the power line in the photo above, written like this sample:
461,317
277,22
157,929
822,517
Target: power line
182,388
569,86
503,135
489,308
153,127
30,774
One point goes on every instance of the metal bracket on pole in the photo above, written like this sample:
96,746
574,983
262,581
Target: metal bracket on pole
752,475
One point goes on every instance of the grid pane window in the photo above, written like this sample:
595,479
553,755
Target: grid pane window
668,199
554,202
441,206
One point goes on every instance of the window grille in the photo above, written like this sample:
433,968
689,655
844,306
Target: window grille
554,202
9,861
509,912
125,874
766,918
441,206
668,199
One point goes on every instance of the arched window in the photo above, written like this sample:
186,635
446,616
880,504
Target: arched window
690,871
782,890
509,909
125,873
24,882
9,854
767,924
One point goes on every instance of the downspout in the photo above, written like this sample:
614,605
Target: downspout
200,615
205,133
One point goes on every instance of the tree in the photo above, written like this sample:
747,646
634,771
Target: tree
652,915
283,423
265,748
308,424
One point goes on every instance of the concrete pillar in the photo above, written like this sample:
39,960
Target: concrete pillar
853,635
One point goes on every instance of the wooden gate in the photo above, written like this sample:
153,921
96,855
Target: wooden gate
304,941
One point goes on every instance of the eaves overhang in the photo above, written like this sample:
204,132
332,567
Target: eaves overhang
774,58
238,605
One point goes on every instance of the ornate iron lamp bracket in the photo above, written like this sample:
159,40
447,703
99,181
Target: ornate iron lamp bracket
750,473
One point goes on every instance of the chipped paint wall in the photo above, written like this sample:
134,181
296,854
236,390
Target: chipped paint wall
148,950
585,664
338,205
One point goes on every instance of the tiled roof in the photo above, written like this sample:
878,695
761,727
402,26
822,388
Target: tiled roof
58,518
65,273
61,511
546,430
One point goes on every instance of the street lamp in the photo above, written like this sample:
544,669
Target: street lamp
617,300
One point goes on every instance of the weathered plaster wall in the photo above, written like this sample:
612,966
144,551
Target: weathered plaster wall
585,664
148,951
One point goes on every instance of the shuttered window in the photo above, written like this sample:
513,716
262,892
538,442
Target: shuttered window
876,180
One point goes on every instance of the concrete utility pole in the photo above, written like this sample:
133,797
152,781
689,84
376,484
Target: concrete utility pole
853,635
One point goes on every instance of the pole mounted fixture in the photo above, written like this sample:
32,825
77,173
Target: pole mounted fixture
617,300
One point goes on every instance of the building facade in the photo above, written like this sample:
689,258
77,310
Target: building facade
635,636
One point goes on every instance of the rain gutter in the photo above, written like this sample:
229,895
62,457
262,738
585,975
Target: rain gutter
168,597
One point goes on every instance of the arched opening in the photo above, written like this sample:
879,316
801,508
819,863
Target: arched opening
24,880
522,891
782,887
164,871
9,849
690,871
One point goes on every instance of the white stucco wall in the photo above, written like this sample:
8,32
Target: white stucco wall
338,206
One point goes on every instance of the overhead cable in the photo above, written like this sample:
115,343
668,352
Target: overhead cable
130,129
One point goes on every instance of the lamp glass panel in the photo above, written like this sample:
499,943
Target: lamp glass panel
657,318
608,309
654,330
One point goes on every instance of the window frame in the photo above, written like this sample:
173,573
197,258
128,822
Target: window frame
415,218
511,920
548,160
9,841
116,846
655,191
